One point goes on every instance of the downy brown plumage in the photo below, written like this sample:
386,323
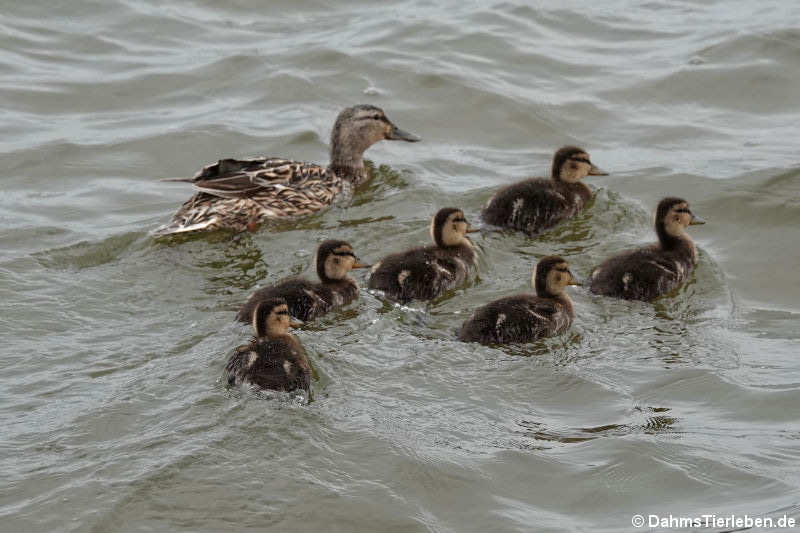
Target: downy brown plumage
652,271
526,317
536,204
428,272
274,359
307,300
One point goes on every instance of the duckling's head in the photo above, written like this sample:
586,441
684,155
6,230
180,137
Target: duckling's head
672,218
551,275
334,260
359,127
571,164
449,227
271,318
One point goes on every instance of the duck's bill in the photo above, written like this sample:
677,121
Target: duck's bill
359,264
696,221
472,230
295,322
396,134
575,281
595,171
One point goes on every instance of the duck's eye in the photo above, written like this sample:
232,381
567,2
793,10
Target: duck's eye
376,117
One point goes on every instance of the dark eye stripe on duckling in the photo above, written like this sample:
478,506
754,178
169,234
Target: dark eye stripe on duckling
459,219
376,117
343,254
581,159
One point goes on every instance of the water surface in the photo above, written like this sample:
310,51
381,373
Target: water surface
114,415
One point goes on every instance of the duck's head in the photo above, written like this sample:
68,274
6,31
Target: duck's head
359,127
672,218
335,259
449,227
551,275
271,318
571,164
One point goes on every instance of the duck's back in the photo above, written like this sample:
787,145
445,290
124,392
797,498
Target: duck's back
535,204
422,273
306,300
642,274
235,194
276,364
521,318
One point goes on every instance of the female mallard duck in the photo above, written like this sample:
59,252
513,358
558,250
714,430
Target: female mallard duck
526,317
536,204
649,272
240,194
274,359
308,300
428,272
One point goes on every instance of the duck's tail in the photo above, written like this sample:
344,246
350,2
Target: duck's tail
188,180
178,225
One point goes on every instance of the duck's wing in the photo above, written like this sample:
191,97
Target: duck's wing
415,274
300,294
281,365
238,363
641,274
233,178
520,318
530,206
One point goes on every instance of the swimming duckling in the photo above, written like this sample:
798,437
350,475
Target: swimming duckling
649,272
240,194
428,272
274,359
306,299
526,317
536,204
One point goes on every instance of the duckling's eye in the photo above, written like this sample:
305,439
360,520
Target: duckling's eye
459,219
376,117
282,313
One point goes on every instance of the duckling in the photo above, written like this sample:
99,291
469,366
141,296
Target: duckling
536,204
652,271
526,317
274,359
308,300
241,194
428,272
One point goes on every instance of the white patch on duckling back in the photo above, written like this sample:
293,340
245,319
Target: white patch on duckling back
626,280
251,358
287,366
516,207
596,273
376,266
679,268
537,315
500,319
661,267
401,277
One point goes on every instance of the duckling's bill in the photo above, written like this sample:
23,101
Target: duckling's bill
596,171
696,220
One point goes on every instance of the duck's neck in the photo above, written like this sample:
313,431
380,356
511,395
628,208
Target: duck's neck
673,242
347,161
574,187
562,298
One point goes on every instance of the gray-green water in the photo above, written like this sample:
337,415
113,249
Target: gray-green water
113,415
